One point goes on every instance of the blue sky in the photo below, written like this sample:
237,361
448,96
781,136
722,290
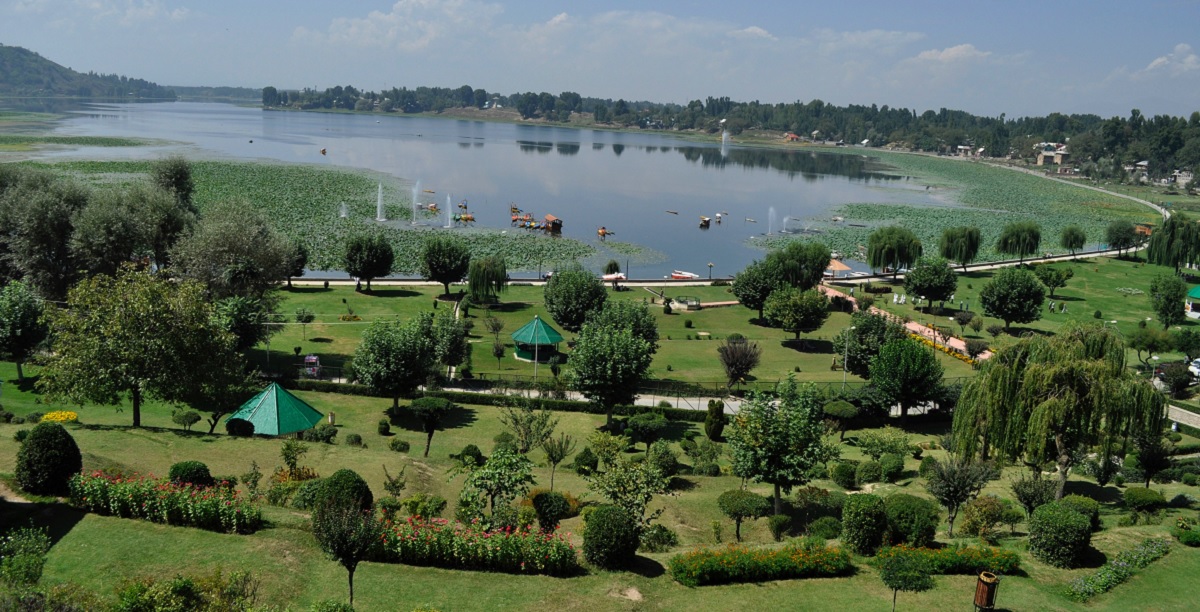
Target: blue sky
984,56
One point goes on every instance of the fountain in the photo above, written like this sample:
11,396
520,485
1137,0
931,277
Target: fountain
783,227
416,194
770,219
344,211
724,138
449,223
379,205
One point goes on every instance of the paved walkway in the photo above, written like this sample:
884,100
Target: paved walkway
1179,415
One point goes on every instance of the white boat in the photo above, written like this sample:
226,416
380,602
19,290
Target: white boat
615,276
681,275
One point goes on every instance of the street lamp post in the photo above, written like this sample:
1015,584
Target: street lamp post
846,356
710,270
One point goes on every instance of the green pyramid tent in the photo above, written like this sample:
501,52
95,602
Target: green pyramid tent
275,412
537,333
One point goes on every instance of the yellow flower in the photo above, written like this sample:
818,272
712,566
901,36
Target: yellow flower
60,416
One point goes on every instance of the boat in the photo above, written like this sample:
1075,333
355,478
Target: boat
681,275
615,276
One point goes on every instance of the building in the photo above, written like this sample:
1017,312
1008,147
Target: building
1051,153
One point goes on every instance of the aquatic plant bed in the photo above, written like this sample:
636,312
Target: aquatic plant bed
161,501
454,545
735,563
304,202
958,559
77,141
1118,570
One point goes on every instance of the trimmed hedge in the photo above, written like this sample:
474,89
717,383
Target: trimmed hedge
610,537
910,519
440,543
959,559
1141,499
864,523
1085,506
160,501
1118,570
1058,535
735,564
47,459
191,472
344,487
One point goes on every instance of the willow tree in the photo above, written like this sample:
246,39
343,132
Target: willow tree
1177,243
1021,238
487,277
892,247
1050,399
960,244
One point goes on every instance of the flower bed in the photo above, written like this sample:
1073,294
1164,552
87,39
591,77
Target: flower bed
945,349
441,543
741,564
1118,570
160,501
959,559
60,416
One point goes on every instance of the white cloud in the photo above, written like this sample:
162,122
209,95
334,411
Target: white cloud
132,12
410,25
956,54
752,33
874,42
1179,61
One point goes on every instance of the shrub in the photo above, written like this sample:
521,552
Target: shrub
864,522
926,465
398,445
161,501
384,428
215,591
307,494
778,524
1118,570
1058,535
424,505
354,440
714,420
1141,499
1032,493
504,441
439,543
910,519
345,487
812,503
891,467
23,555
20,435
6,416
868,472
826,527
1188,537
185,418
239,427
844,474
662,457
321,433
1085,506
740,504
47,460
472,453
586,462
280,493
551,507
735,564
611,537
960,559
193,472
981,516
658,538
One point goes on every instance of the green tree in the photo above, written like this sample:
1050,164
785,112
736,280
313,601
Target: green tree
109,231
779,440
446,259
1121,235
842,414
1073,238
304,316
1050,398
1053,278
449,334
174,175
1176,243
571,293
892,247
931,278
1020,239
955,481
346,534
394,357
796,311
38,225
167,220
234,251
1167,294
905,572
800,264
249,320
531,428
487,278
630,486
612,267
739,505
754,284
135,335
22,329
432,413
557,450
608,365
223,388
369,256
1013,295
907,373
505,476
298,261
960,244
738,356
628,314
867,334
1147,342
1187,341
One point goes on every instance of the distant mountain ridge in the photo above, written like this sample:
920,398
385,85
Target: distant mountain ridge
25,73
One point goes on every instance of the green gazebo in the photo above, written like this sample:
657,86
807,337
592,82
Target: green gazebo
276,412
536,341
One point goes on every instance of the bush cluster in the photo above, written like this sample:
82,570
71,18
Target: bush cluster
891,467
216,591
398,445
864,523
321,433
927,464
960,559
161,501
658,538
441,543
1141,499
910,519
826,528
345,487
735,564
47,459
1085,506
1119,569
982,515
611,536
1058,535
191,472
868,472
844,474
812,503
551,507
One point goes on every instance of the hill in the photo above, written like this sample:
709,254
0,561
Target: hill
25,73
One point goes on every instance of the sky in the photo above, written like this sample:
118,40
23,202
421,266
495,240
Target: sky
986,57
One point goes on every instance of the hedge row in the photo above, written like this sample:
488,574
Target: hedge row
741,564
454,545
958,559
161,501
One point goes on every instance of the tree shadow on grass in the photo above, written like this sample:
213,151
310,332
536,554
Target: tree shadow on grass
28,385
1104,495
808,345
676,430
308,290
457,418
1092,559
646,567
56,517
391,293
506,307
319,340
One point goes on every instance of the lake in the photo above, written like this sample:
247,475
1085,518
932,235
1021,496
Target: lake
647,188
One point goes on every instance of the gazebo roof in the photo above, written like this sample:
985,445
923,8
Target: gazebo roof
537,332
1194,293
837,266
275,412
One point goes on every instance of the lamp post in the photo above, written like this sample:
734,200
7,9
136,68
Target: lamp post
710,270
846,355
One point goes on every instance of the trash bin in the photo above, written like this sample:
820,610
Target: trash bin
331,419
985,591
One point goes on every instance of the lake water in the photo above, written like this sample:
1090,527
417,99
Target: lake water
626,182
